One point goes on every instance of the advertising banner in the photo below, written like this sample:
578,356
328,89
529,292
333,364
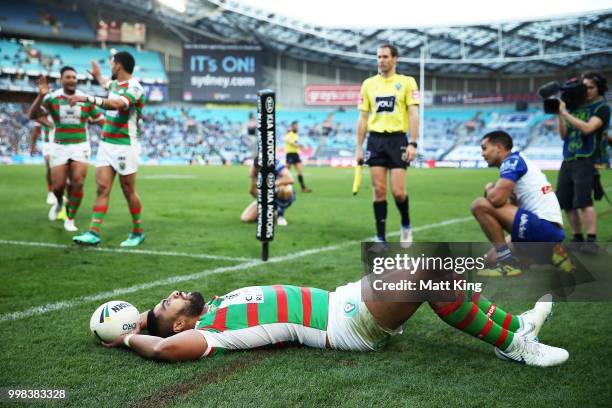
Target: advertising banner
221,72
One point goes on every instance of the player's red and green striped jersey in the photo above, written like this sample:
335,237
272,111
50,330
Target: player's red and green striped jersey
258,316
45,131
70,121
122,126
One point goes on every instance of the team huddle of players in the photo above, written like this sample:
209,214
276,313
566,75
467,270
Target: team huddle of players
64,115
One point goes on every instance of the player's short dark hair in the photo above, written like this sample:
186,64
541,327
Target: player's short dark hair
392,48
600,81
66,68
194,305
499,136
295,122
126,60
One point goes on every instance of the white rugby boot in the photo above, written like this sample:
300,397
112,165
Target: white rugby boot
51,198
532,320
529,352
69,225
54,211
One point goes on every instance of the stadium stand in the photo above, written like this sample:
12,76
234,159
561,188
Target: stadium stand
38,57
199,135
27,18
49,37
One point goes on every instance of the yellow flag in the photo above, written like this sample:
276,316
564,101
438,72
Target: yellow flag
357,177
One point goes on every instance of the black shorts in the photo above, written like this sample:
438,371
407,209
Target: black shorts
293,158
575,183
387,150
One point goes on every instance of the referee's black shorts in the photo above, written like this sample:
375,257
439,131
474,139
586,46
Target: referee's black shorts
575,183
293,158
387,150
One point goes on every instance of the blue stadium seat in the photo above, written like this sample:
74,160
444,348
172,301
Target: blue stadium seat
27,18
149,67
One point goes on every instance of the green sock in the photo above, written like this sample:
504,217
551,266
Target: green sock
96,218
136,225
73,203
498,315
467,317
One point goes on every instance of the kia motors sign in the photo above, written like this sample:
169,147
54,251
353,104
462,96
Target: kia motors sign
332,95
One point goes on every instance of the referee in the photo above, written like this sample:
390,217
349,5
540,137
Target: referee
292,148
389,106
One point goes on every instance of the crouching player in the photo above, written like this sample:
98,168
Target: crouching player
285,194
523,203
182,327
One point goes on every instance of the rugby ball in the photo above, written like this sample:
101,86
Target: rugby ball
112,319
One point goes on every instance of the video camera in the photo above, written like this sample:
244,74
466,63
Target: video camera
572,92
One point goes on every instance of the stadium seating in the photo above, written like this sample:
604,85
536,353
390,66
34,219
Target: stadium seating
37,57
26,18
214,135
15,130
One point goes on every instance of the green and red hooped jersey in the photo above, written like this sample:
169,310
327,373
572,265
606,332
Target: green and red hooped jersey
46,132
70,122
122,126
260,316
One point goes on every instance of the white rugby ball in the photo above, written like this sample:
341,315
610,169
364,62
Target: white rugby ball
113,319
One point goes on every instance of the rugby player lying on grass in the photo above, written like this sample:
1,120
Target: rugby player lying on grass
182,327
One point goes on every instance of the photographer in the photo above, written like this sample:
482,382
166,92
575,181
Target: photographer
582,129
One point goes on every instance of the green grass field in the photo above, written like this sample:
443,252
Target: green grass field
48,293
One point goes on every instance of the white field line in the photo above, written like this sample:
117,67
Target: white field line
66,304
167,177
125,251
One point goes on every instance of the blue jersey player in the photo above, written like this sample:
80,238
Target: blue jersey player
522,202
285,194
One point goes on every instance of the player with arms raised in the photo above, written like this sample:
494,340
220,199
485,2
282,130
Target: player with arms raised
119,149
69,156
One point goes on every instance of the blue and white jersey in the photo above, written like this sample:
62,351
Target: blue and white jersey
278,167
533,191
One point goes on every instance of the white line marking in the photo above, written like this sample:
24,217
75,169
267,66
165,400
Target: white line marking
66,304
38,310
125,251
167,177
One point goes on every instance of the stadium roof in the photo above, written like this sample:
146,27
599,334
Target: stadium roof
358,14
505,48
